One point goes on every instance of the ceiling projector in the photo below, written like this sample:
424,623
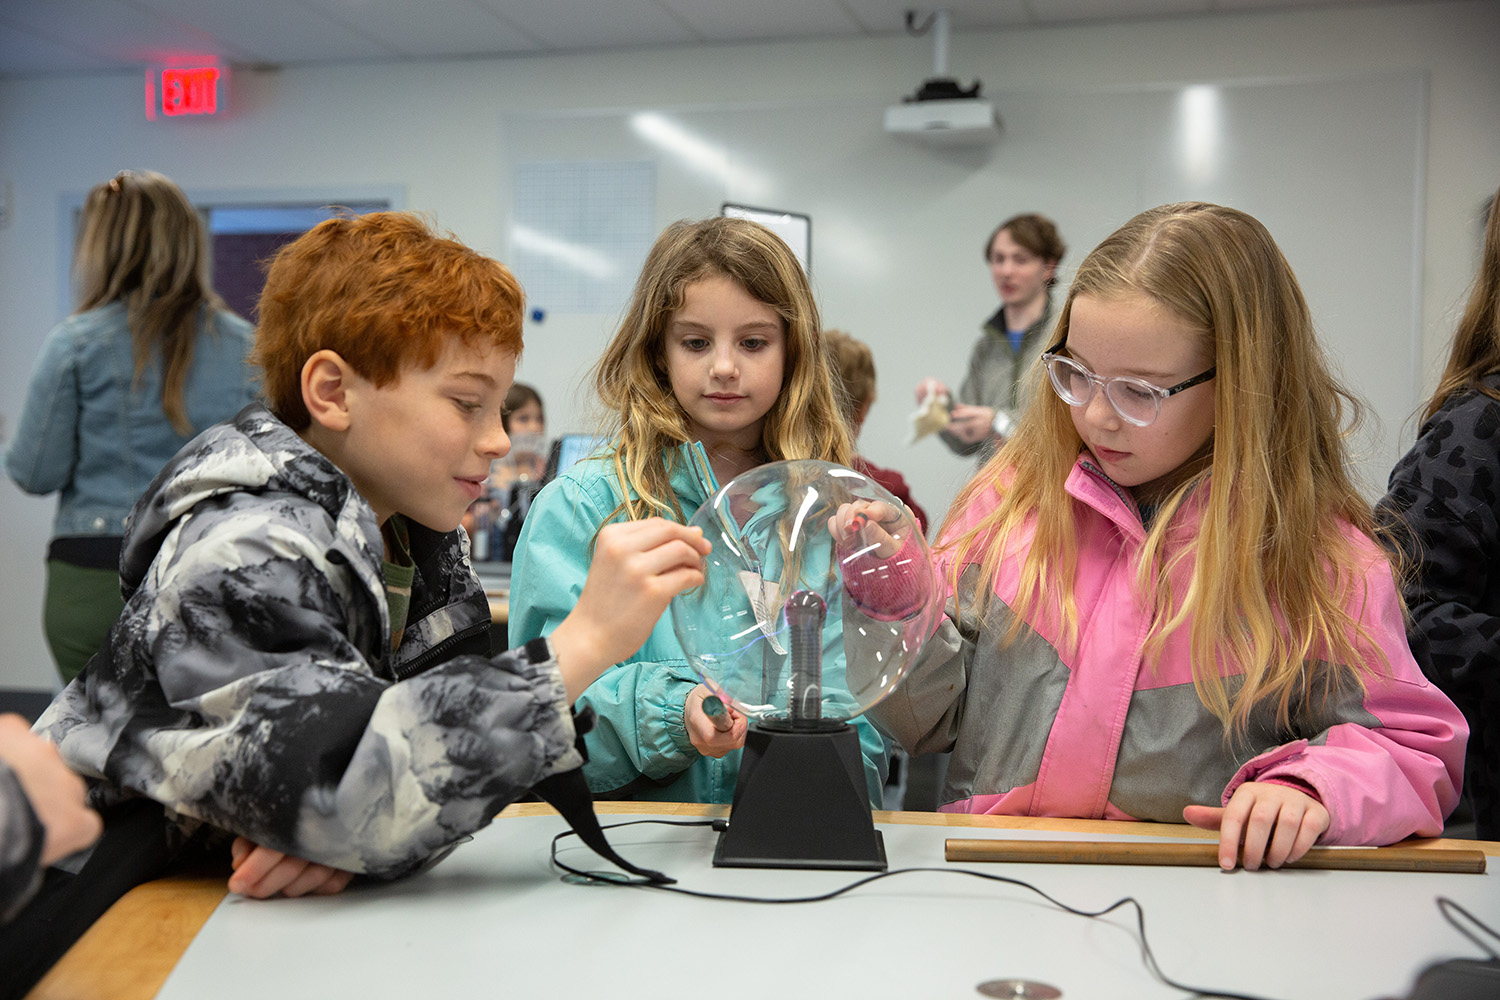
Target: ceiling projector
968,120
941,111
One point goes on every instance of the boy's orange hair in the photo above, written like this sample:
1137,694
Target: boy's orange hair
385,292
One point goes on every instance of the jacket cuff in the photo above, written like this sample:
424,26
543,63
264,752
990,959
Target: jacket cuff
1285,765
674,715
541,655
891,589
1297,784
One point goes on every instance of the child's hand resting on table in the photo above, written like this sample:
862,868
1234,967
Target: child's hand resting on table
637,568
260,873
1277,824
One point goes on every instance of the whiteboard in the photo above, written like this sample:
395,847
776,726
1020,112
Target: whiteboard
1332,166
794,228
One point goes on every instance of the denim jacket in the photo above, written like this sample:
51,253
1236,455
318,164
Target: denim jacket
93,434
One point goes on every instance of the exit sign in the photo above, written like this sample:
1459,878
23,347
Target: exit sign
184,91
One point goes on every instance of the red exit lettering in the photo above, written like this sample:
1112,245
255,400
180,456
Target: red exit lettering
192,91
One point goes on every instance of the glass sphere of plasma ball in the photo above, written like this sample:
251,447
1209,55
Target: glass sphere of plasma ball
796,627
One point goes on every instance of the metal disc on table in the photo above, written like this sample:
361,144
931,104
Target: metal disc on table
1018,989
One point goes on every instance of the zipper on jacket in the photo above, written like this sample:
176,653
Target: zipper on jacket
435,654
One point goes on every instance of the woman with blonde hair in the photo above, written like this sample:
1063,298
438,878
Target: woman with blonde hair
1444,507
1166,602
150,357
717,367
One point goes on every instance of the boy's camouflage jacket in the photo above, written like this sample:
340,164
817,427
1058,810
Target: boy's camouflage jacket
250,682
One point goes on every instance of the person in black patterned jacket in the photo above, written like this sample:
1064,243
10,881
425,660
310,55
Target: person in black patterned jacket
303,662
1444,508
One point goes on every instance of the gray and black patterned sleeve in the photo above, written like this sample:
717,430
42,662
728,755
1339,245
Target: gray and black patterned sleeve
238,689
1444,505
21,840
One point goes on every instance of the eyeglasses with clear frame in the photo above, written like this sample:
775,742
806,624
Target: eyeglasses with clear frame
1137,401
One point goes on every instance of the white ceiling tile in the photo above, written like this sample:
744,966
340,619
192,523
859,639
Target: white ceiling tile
70,36
22,51
1054,11
118,32
881,17
755,20
564,25
430,28
1230,5
271,31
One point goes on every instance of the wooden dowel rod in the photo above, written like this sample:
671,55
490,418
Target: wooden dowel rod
1206,855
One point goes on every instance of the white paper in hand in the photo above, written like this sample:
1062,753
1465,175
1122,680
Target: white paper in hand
930,417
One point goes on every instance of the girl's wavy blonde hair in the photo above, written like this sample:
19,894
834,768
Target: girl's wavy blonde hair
1476,343
141,242
631,378
1273,572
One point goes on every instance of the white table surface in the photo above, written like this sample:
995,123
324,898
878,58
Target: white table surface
494,921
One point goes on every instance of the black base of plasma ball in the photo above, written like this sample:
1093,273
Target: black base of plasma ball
801,801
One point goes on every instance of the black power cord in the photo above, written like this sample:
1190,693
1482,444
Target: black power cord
1148,959
1448,907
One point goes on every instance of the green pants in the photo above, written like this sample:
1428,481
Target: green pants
80,606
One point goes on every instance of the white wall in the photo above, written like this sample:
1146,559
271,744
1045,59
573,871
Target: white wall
432,130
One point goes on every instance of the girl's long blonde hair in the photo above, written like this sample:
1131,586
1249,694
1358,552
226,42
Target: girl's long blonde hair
1273,572
141,242
1476,343
632,379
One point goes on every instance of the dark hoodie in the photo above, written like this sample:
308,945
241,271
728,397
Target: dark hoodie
1444,509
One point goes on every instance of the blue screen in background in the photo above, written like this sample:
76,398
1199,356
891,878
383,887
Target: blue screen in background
569,449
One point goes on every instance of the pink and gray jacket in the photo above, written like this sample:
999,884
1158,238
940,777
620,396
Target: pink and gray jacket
1099,733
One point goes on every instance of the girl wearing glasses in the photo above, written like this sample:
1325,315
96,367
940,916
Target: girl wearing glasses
1165,602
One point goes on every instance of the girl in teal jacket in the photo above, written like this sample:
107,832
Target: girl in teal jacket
717,368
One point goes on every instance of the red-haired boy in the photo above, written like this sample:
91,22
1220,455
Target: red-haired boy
303,661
